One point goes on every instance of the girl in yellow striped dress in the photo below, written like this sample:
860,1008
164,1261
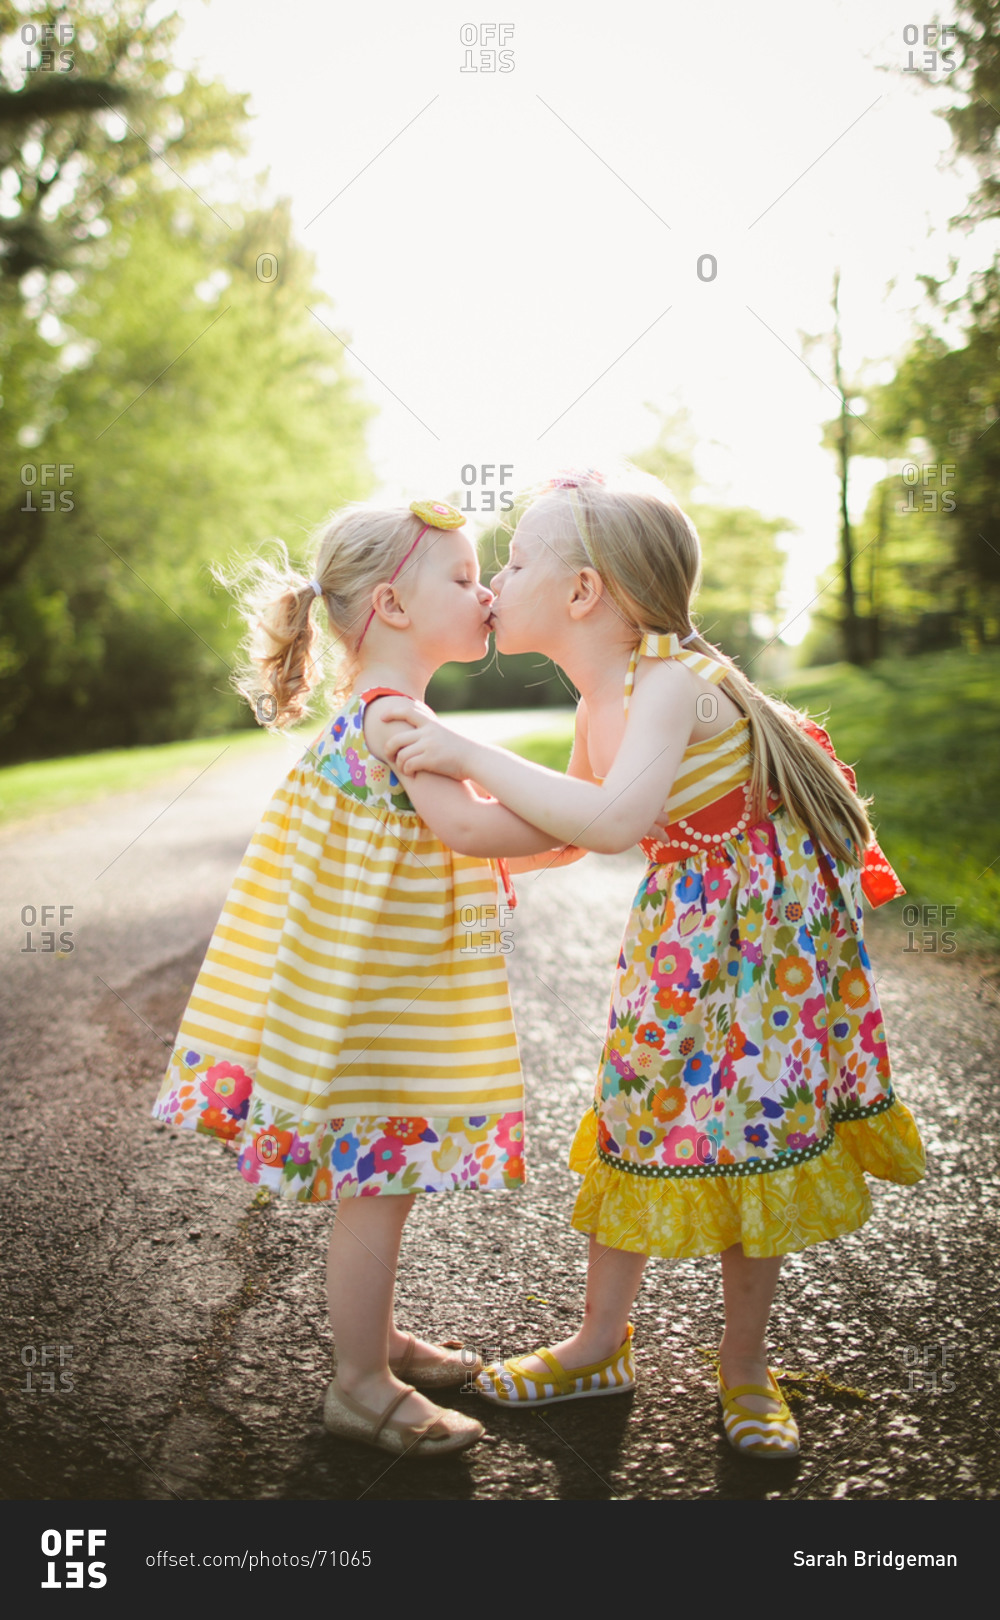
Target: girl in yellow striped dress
744,1087
350,1033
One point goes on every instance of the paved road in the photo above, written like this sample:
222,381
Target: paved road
164,1335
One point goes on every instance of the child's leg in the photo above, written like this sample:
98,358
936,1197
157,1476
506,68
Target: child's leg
748,1288
613,1278
360,1282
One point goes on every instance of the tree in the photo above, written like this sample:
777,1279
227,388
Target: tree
851,628
75,139
943,399
743,565
72,174
975,125
187,404
214,413
940,410
840,436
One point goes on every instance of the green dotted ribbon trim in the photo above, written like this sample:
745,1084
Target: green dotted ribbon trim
748,1167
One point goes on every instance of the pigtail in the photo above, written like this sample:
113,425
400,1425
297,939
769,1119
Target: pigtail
280,663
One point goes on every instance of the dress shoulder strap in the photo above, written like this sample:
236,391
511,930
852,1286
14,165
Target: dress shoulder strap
671,646
501,865
374,692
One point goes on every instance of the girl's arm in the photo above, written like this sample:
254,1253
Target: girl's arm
607,818
579,767
467,824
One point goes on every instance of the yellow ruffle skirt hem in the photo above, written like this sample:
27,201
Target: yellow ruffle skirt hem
775,1212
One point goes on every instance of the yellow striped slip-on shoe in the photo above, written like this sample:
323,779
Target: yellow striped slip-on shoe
759,1434
508,1384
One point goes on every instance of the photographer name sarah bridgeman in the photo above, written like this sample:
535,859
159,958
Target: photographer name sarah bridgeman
859,1559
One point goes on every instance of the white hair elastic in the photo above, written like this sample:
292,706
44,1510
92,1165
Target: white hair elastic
317,587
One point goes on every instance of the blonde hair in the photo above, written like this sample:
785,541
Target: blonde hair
647,552
358,549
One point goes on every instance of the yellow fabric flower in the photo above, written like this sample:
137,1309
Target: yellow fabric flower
642,1123
447,1155
629,981
461,1127
438,514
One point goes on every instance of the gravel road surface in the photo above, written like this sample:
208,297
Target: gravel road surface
164,1334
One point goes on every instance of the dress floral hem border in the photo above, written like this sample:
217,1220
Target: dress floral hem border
360,1155
748,1167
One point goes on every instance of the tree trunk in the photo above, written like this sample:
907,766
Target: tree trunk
850,625
874,621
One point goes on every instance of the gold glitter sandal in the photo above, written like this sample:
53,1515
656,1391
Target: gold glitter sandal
446,1431
447,1371
450,1367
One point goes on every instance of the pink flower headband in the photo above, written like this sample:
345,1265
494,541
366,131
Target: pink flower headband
573,480
436,515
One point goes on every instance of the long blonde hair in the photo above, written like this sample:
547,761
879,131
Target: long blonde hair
647,552
281,652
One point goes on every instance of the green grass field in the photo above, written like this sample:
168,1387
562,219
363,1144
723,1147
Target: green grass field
55,784
924,736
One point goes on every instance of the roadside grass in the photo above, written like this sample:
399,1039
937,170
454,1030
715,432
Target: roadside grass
924,736
548,748
55,784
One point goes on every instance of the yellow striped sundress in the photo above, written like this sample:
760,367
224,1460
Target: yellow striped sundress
350,1031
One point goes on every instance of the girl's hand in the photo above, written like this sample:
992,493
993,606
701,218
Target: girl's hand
424,744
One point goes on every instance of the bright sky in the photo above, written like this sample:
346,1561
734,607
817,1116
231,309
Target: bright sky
513,256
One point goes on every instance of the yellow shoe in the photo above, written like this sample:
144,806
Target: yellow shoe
509,1384
759,1434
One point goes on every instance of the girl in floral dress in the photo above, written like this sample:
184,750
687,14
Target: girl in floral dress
744,1087
343,1035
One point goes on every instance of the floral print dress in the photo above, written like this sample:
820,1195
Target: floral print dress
744,1087
350,1031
